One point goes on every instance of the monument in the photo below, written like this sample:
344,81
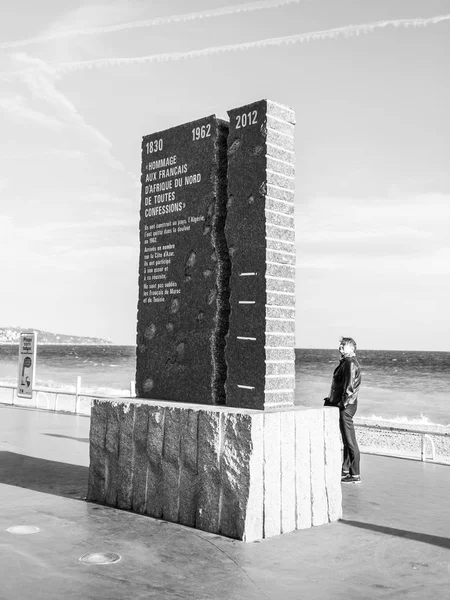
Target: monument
260,238
213,439
184,266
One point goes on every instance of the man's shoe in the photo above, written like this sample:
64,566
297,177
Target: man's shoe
351,479
344,474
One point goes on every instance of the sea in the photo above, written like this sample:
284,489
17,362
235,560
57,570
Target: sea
399,386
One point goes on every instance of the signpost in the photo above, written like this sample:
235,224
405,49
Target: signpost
27,364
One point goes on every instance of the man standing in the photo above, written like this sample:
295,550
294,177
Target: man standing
344,395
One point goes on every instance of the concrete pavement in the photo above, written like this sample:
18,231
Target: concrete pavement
393,541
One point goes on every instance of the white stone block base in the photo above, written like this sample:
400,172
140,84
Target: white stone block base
245,474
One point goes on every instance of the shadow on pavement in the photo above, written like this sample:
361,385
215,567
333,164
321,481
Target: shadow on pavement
68,437
410,535
40,475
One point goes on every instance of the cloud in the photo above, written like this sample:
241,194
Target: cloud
39,80
413,212
327,34
75,246
97,227
408,234
399,233
58,153
158,21
18,110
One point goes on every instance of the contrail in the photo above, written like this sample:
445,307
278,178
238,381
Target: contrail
206,14
327,34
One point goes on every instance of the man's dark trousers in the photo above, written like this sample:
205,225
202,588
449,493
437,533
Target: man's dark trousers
351,449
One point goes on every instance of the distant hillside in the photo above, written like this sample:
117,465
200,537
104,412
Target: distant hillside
10,335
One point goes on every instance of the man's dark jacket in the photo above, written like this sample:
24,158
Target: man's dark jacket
345,384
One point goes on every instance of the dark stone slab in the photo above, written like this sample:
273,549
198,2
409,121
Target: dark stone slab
188,489
126,457
184,267
171,464
112,482
209,453
246,235
155,439
235,474
97,454
260,234
140,471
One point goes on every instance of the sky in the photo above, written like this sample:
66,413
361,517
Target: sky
82,81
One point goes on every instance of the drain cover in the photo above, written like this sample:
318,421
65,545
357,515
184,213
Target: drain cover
100,558
23,529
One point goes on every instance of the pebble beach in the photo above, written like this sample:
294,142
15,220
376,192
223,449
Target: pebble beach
399,439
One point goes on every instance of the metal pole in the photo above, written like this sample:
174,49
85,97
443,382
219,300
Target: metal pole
77,394
433,449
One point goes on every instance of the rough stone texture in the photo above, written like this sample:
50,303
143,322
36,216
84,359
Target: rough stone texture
183,302
260,235
237,478
287,465
112,482
170,464
126,457
272,474
97,452
332,462
319,505
140,467
246,474
188,467
303,469
154,457
209,489
254,516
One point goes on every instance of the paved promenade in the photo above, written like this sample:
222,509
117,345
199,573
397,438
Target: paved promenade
393,541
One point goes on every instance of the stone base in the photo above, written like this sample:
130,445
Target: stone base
245,474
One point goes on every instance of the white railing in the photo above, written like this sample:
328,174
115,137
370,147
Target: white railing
79,402
425,436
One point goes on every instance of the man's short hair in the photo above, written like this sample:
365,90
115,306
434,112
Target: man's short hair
348,340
